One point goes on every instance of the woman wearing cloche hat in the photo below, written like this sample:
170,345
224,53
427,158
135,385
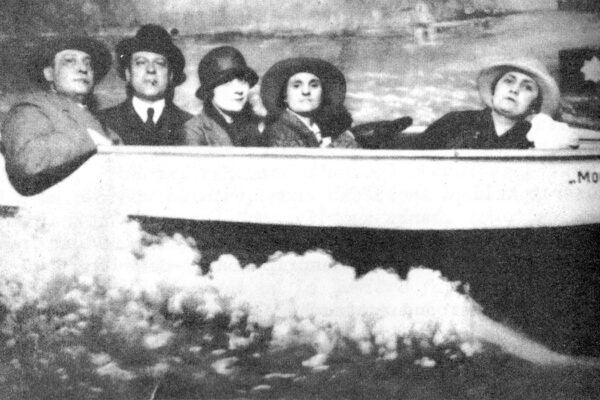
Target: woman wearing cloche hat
520,98
227,119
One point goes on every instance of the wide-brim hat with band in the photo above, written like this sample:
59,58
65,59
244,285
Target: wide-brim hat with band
276,78
155,39
549,90
220,65
44,54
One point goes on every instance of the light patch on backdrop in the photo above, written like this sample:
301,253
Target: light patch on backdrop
591,70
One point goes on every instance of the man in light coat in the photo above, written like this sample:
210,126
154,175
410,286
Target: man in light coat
50,133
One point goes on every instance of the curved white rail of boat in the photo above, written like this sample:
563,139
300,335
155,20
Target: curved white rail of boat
385,189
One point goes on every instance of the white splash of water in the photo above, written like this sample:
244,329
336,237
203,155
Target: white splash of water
110,264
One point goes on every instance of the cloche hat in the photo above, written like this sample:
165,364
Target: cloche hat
532,67
221,65
275,79
44,55
156,39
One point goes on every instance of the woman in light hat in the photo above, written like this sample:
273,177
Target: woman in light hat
520,97
304,100
227,119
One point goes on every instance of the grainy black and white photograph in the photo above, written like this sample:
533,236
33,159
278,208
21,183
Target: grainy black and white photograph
299,199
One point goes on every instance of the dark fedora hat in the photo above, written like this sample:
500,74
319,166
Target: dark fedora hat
275,79
220,65
43,56
156,39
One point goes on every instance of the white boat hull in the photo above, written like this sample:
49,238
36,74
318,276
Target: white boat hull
383,189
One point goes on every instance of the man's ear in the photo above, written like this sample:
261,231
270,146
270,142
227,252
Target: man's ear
127,75
49,73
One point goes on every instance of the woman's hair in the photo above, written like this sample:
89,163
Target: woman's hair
536,104
209,94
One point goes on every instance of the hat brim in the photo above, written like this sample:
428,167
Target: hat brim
126,47
247,74
274,80
44,55
548,87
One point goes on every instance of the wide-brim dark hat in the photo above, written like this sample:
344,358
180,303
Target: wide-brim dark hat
530,66
220,65
43,56
276,78
155,39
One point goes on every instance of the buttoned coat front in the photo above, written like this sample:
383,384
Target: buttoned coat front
168,131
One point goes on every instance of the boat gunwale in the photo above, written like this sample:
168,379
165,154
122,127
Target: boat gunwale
497,155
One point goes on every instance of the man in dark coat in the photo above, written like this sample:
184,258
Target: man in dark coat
152,66
50,133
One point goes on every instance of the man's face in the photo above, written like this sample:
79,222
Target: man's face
71,73
148,75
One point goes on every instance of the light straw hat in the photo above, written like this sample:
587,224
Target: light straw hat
548,88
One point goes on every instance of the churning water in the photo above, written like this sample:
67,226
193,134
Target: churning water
92,304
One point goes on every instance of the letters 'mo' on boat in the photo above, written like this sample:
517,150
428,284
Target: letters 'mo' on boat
382,189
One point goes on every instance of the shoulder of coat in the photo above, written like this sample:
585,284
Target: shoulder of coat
202,121
39,98
179,113
44,102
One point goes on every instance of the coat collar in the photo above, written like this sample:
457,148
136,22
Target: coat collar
300,127
141,108
486,124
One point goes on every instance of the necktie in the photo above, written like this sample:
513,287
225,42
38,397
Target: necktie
149,121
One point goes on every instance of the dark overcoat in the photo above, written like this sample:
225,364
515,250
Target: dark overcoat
168,131
469,130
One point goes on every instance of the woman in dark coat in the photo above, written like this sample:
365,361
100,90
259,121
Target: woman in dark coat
304,101
520,98
227,119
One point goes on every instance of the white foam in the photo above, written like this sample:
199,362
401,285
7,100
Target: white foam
109,265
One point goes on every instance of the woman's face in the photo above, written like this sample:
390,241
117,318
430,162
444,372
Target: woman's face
303,93
514,95
231,96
